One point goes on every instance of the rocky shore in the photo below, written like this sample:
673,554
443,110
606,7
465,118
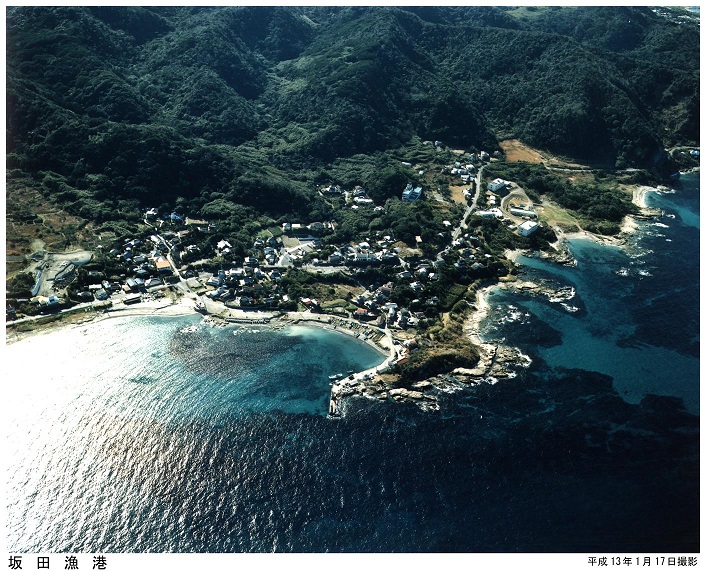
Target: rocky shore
496,362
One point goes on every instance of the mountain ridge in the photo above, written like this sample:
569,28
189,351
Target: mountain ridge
229,89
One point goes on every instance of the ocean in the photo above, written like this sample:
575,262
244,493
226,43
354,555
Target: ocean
168,435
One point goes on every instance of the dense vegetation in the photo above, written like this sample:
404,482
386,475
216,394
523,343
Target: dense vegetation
601,205
237,113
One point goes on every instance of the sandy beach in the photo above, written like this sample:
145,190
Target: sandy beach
341,325
21,329
472,325
639,195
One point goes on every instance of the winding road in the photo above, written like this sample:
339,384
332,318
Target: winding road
469,209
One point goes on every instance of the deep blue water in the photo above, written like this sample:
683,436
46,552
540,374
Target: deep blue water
131,437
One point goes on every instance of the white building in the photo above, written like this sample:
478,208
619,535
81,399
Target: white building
492,213
521,212
497,184
527,228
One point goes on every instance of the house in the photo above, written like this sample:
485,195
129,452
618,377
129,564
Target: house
497,185
222,245
151,214
361,313
484,156
316,226
527,228
410,194
360,201
163,266
364,258
176,218
154,282
335,259
386,289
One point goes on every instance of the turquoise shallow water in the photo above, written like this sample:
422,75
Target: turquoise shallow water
634,314
138,435
176,368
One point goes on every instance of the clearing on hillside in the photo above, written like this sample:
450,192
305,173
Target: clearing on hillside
516,151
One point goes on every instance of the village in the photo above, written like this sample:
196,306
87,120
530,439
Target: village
167,256
381,290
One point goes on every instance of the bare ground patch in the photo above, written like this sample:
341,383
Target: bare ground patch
516,151
555,216
457,193
33,223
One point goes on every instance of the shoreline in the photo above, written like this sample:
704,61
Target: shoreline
472,325
328,323
182,307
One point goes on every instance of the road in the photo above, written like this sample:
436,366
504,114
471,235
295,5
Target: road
518,194
182,285
469,209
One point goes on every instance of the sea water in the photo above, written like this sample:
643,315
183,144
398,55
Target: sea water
633,312
147,434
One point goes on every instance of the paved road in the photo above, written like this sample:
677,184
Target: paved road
469,209
182,285
520,194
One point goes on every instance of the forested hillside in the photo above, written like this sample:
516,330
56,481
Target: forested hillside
124,106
